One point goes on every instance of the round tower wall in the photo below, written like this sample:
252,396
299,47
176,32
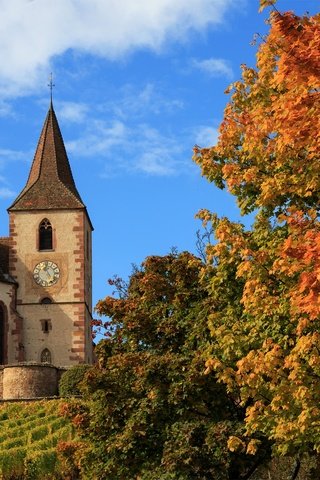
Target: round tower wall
29,381
1,381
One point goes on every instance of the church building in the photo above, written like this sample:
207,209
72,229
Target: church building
46,265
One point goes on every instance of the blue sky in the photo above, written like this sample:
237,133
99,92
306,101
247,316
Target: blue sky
137,85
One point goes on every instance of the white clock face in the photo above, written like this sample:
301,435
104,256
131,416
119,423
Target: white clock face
46,273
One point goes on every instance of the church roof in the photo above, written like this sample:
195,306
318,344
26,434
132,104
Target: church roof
50,184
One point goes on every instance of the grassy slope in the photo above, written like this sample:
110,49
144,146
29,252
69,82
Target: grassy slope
29,434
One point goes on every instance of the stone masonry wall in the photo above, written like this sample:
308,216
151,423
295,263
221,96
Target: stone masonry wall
1,382
29,381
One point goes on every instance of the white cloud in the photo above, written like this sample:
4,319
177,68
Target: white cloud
9,155
129,102
123,142
149,98
154,162
5,109
99,139
33,32
71,111
157,154
138,148
215,67
206,136
6,193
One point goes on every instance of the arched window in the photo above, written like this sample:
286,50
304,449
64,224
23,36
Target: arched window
45,356
45,235
1,335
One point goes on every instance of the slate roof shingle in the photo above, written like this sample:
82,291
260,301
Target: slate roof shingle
50,184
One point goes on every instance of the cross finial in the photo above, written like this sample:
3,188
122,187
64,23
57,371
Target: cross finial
51,85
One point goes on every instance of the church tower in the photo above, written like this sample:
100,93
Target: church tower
50,261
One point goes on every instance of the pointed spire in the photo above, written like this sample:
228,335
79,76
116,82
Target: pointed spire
50,184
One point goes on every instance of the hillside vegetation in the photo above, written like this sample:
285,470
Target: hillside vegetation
34,440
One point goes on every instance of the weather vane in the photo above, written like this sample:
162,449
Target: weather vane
51,85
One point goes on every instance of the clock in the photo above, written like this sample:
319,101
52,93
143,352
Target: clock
46,273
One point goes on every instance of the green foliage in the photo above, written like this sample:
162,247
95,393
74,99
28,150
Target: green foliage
40,464
30,433
71,379
150,411
39,433
264,283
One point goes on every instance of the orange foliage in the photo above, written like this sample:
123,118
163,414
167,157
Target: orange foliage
264,284
268,150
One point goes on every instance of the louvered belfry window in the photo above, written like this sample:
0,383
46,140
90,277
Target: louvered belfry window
45,235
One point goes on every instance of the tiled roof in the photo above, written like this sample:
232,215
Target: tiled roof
50,184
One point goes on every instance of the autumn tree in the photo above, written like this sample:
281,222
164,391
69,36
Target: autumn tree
150,410
264,284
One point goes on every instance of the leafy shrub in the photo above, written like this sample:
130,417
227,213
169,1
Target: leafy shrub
38,433
57,424
70,380
68,455
29,436
11,462
3,416
12,443
40,464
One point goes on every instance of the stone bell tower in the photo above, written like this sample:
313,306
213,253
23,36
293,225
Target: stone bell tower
50,261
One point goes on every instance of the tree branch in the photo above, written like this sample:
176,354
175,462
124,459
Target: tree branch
296,469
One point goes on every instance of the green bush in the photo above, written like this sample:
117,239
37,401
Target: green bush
29,436
70,380
3,416
11,462
40,465
57,424
38,433
12,443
